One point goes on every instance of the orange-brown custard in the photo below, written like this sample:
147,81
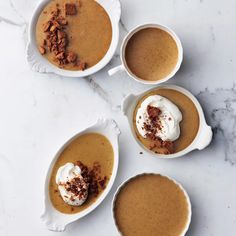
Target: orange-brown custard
188,126
151,54
89,32
89,148
151,205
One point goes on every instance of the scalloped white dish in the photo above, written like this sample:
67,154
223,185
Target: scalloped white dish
124,183
54,219
204,133
40,64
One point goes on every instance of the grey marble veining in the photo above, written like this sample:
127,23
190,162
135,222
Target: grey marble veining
221,113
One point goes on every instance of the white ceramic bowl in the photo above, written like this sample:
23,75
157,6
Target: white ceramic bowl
40,64
124,67
57,221
204,134
179,185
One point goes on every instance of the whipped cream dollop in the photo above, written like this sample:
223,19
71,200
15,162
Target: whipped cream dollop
169,118
71,184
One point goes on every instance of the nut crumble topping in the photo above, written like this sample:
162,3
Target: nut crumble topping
152,128
57,40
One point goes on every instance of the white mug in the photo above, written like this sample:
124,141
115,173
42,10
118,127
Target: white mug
124,67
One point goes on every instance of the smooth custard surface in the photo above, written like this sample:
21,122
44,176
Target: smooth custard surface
151,54
151,205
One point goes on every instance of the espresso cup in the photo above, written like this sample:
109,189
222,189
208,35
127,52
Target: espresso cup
124,66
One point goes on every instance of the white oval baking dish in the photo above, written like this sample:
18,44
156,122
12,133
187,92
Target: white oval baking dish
57,221
40,64
203,137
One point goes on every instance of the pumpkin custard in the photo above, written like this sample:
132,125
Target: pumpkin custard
151,54
73,34
81,173
151,204
165,121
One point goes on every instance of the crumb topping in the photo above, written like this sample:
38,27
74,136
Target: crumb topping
92,176
57,40
70,9
78,187
152,128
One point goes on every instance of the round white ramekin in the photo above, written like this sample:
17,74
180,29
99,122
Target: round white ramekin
178,184
57,221
204,134
124,67
40,64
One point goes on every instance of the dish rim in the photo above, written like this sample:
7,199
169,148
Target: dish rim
63,218
40,64
152,173
202,138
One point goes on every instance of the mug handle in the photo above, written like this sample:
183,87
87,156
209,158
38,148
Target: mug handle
116,69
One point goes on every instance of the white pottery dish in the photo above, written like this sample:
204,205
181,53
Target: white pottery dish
203,137
178,184
57,221
40,64
124,66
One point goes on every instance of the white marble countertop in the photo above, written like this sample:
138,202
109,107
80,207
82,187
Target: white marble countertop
39,112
